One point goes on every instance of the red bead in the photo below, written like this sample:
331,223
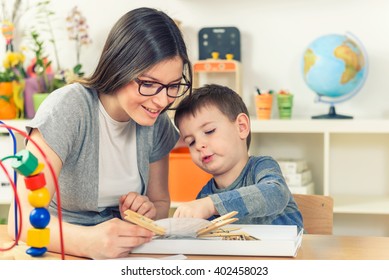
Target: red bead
35,182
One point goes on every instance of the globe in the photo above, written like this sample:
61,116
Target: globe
335,67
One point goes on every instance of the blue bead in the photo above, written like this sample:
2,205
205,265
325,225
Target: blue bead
36,252
39,218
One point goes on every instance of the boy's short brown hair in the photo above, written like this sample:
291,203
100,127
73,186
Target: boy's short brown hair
225,99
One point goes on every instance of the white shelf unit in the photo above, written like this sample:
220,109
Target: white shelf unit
349,160
6,193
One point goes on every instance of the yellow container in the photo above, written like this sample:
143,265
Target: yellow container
185,178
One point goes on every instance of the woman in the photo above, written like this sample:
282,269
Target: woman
108,138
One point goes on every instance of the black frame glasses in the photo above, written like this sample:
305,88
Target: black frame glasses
151,88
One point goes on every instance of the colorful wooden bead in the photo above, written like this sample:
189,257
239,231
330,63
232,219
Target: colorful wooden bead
38,169
38,237
25,162
39,217
36,252
39,198
35,182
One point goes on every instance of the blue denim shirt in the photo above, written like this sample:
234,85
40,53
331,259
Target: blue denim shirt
260,195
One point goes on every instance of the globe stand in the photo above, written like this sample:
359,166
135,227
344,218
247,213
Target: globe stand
332,115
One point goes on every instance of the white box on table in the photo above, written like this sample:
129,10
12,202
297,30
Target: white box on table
273,240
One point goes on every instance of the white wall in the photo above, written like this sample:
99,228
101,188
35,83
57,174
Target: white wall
274,34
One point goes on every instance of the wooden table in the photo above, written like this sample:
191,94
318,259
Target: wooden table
313,247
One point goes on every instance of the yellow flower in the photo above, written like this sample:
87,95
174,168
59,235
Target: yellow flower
12,59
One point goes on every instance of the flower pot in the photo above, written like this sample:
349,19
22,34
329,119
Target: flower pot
285,104
37,99
31,87
8,109
263,105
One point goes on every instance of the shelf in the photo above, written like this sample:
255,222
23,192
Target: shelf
6,195
320,126
220,71
216,65
336,152
348,160
352,204
376,205
17,123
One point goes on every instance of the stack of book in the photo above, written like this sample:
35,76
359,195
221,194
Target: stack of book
297,175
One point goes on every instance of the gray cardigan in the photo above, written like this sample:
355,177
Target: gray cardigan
68,121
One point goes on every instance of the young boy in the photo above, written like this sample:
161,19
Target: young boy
214,123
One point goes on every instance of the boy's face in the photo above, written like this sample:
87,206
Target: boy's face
216,144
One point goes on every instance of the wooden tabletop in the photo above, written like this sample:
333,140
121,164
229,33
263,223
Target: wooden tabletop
313,247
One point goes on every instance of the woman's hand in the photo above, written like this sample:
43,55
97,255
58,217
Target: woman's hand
137,203
201,208
113,239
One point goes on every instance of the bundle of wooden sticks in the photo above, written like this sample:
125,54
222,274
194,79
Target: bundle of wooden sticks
214,229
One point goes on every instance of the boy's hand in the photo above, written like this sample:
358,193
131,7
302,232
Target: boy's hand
137,203
201,208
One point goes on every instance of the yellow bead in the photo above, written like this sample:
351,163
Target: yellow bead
38,237
38,169
39,198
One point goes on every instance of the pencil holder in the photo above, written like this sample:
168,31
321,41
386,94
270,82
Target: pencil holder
285,105
263,106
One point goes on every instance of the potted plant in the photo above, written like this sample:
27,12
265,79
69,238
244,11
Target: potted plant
77,28
12,86
8,109
41,80
40,69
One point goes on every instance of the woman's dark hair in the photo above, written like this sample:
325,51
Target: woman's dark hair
140,39
225,99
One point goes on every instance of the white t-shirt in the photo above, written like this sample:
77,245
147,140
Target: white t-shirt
120,174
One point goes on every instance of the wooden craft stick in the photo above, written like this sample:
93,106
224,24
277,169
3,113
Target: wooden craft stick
245,235
215,226
227,229
143,221
218,222
226,216
221,234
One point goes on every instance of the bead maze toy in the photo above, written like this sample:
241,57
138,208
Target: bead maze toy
26,164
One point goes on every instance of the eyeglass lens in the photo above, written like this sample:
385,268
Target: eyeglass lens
152,88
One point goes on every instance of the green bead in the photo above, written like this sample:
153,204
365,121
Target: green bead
25,163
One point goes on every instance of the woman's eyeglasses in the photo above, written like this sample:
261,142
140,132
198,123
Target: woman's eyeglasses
149,88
